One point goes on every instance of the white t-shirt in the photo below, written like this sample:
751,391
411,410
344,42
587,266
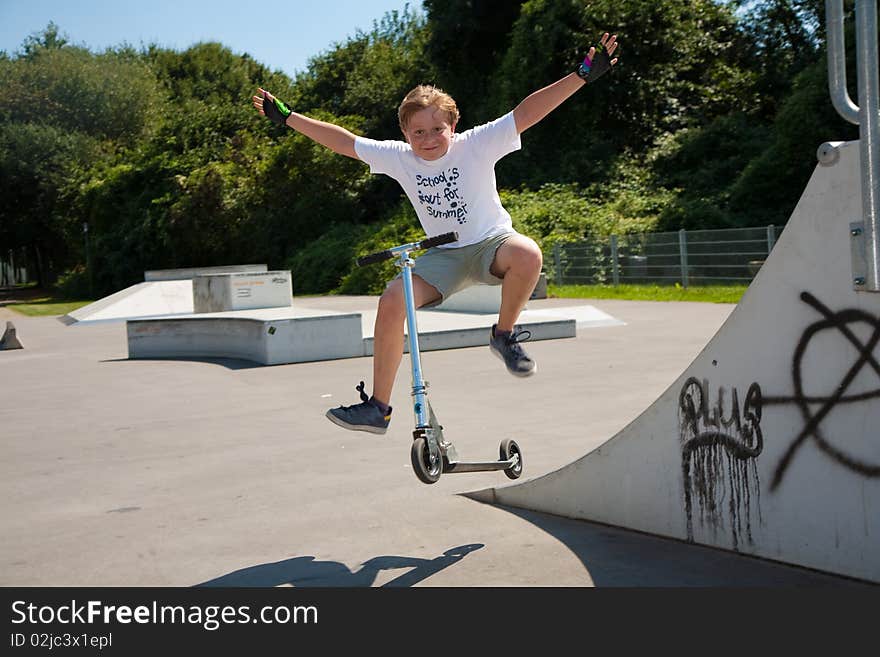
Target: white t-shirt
457,191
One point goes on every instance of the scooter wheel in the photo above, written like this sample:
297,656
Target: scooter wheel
507,450
420,455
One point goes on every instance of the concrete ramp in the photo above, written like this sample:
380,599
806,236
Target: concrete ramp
164,292
768,444
147,299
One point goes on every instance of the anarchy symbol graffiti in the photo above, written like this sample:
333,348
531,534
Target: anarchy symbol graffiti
815,409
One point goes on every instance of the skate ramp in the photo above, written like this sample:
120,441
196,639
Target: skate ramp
163,292
147,299
768,444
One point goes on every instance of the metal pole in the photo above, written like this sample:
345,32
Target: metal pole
771,238
615,268
869,132
89,260
683,255
837,63
866,116
412,330
557,260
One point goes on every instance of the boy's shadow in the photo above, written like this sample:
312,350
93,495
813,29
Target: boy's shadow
305,571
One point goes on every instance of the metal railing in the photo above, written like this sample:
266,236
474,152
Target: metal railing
695,257
867,116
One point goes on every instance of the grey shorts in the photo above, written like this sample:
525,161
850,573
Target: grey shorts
451,270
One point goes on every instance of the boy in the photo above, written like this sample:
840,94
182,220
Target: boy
450,180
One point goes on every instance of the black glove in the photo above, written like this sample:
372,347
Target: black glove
589,71
275,110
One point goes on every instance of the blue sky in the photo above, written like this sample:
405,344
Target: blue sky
281,34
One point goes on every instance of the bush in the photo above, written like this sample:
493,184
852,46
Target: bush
320,266
556,213
401,227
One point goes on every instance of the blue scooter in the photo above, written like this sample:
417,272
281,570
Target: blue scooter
431,453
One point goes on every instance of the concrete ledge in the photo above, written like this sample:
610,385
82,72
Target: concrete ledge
271,336
479,336
269,342
192,272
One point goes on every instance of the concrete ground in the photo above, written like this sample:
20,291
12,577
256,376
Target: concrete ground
118,472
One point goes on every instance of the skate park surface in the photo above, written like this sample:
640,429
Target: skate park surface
191,472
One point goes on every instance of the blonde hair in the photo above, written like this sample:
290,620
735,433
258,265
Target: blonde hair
424,96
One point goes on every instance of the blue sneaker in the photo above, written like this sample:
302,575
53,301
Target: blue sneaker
508,349
365,416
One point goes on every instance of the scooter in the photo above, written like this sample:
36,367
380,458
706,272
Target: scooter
431,454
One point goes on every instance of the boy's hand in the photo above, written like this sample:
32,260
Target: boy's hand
598,61
271,107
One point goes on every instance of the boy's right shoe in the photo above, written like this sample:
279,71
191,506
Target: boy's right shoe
365,416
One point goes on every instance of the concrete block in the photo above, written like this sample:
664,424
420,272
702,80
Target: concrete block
9,339
306,339
241,291
268,342
485,298
475,299
540,291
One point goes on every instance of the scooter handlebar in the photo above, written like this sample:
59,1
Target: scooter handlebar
426,243
437,240
374,257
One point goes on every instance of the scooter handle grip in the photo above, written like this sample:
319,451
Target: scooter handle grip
437,240
374,257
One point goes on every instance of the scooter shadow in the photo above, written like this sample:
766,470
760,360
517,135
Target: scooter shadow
307,572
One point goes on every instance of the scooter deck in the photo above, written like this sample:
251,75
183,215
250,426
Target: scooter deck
479,466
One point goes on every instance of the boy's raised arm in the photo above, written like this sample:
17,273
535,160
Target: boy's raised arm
539,104
336,138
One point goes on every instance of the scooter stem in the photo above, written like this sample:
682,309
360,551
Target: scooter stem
420,408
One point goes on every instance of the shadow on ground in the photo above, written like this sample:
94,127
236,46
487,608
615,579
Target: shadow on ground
616,557
306,571
228,363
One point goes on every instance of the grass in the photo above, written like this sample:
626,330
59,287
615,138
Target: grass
47,306
33,301
709,294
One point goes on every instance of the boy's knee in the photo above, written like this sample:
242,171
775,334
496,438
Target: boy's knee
528,257
392,302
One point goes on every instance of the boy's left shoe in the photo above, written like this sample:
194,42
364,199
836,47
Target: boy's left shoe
365,416
509,349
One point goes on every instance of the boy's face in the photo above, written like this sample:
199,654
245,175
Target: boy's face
429,133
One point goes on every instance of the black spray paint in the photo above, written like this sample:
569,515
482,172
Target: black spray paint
839,321
718,458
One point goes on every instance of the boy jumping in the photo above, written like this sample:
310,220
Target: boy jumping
450,180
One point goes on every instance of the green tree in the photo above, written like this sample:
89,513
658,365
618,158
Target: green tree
63,110
467,40
678,67
369,75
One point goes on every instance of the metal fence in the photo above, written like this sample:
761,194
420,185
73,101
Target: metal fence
694,257
12,270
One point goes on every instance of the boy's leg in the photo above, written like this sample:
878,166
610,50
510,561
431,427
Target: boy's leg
374,414
518,262
389,329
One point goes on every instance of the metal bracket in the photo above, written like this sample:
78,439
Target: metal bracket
859,255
